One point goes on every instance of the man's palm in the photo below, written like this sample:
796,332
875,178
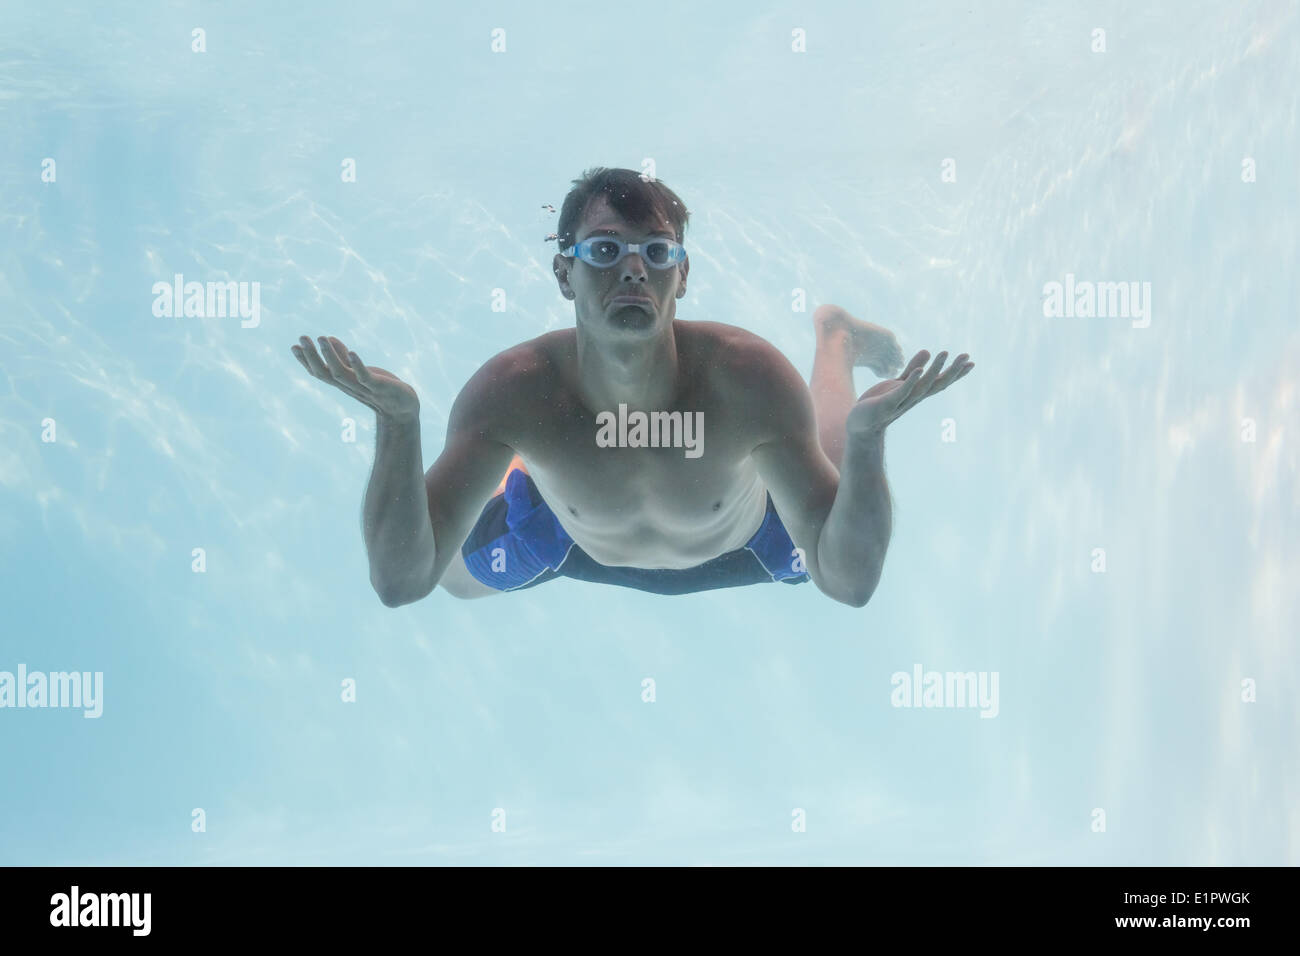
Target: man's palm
885,401
371,385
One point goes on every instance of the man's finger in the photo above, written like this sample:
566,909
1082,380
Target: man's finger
951,375
318,368
962,374
947,379
907,389
961,368
314,363
332,360
918,360
916,391
359,368
306,354
932,372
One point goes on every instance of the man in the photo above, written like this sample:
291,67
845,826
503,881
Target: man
661,455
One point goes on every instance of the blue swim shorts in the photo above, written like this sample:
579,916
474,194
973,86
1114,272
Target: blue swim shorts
518,543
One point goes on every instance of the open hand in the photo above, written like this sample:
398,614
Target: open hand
374,387
885,401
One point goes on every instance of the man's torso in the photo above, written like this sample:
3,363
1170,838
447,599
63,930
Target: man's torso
644,507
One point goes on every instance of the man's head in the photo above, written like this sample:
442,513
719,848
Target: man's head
618,205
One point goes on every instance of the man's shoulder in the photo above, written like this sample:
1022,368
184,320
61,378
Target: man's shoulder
535,363
528,362
514,379
738,358
751,374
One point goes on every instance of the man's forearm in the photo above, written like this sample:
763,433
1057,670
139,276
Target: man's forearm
851,550
398,532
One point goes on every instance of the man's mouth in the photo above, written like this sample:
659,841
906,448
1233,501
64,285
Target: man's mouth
639,300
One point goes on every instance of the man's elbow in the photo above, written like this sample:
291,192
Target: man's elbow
393,599
855,594
851,598
393,596
858,598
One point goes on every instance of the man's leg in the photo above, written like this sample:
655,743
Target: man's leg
842,343
456,580
515,462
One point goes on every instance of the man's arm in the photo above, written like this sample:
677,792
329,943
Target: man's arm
856,535
840,520
415,523
395,517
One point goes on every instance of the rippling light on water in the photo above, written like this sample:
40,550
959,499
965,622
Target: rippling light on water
1101,514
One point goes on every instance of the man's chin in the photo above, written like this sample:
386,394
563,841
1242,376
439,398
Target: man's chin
631,317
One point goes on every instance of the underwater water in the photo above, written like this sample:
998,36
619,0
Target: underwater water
1099,521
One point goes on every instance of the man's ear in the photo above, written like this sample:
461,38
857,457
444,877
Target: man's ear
685,267
561,269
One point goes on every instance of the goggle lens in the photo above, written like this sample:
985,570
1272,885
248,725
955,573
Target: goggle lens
659,253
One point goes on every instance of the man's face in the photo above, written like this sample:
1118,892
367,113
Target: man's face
597,292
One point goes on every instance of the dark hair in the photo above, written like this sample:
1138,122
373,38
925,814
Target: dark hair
628,194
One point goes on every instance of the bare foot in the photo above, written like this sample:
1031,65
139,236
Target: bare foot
873,347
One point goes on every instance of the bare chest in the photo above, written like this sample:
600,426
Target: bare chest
668,489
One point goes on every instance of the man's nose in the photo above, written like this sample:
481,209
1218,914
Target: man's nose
634,269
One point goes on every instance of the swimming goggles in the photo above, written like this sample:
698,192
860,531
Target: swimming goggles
605,251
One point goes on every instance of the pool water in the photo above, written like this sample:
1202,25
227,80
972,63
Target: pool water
1099,521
